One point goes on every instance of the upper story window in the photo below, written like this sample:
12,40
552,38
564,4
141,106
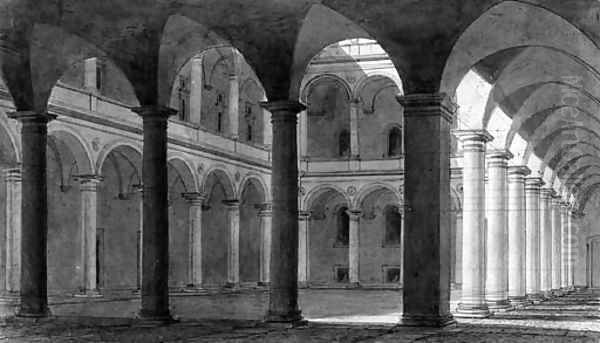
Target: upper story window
220,122
249,133
342,238
344,143
393,226
394,146
182,94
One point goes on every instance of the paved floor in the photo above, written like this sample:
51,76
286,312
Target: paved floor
573,318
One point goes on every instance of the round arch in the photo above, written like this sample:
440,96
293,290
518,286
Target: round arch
259,183
109,147
322,77
319,190
219,174
366,190
76,145
185,172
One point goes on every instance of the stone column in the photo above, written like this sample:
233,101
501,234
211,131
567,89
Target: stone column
546,240
571,248
196,87
516,234
233,248
303,134
426,253
354,246
12,179
196,201
472,303
139,189
34,214
234,97
155,233
556,238
89,224
497,232
564,217
283,299
532,249
303,248
265,213
355,109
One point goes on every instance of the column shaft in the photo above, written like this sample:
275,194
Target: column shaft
426,253
196,201
89,224
532,249
556,238
472,301
355,108
516,234
303,248
564,215
12,179
155,232
34,214
571,251
265,215
546,240
233,248
354,246
283,299
497,235
196,87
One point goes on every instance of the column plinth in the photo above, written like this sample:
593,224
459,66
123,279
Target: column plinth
303,251
196,200
89,211
283,293
472,303
516,235
265,215
532,249
354,247
34,214
496,292
233,248
155,227
426,281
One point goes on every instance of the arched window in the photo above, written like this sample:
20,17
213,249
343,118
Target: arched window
395,142
344,143
342,238
393,226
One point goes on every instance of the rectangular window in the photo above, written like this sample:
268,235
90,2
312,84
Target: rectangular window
341,274
391,274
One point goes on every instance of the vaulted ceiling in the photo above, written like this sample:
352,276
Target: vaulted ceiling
541,56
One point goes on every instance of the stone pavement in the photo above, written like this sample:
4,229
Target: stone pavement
573,318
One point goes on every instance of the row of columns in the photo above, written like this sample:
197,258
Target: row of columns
516,215
426,279
89,202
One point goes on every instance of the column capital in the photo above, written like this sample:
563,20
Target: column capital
291,107
355,102
232,204
264,209
519,170
533,183
499,154
154,112
195,198
304,215
428,104
474,136
547,193
31,116
354,214
89,182
12,174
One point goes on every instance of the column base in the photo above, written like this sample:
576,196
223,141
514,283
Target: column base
24,313
88,294
499,305
193,289
232,285
354,285
426,321
535,298
303,284
472,311
291,319
519,302
151,319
